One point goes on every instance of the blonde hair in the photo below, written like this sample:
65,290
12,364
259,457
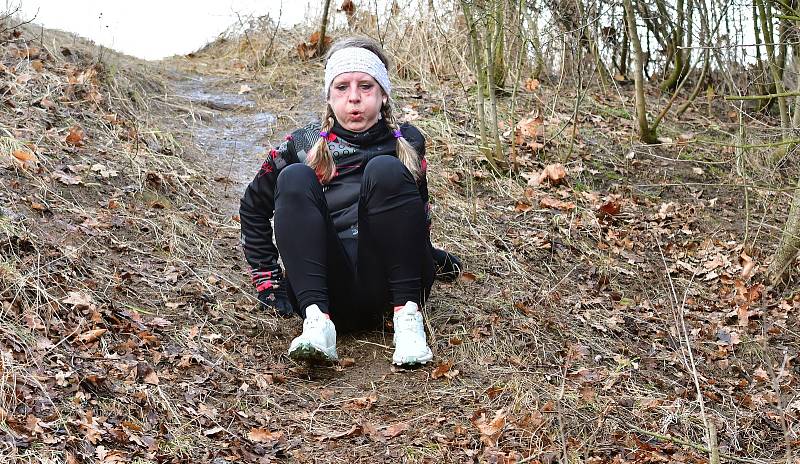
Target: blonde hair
320,157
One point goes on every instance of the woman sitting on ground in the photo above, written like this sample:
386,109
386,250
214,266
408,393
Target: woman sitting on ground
351,214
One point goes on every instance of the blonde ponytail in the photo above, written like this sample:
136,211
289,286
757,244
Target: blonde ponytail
405,152
320,158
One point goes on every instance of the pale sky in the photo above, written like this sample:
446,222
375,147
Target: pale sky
154,29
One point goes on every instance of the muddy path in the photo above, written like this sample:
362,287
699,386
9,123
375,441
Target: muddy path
228,126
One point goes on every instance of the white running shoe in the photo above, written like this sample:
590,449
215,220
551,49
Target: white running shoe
317,343
411,346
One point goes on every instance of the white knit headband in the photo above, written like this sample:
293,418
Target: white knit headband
356,59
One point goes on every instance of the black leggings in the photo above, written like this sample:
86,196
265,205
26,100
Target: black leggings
355,281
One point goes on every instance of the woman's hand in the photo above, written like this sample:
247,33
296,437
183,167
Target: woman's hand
448,267
277,299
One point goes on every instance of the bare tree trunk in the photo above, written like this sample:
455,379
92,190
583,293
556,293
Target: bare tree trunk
480,76
646,134
791,56
679,56
796,66
783,32
498,147
623,54
769,39
533,22
522,53
496,41
789,245
705,40
763,87
322,28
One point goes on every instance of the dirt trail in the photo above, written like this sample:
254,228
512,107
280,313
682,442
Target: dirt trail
233,131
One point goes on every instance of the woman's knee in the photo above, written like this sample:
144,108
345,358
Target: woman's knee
296,178
387,172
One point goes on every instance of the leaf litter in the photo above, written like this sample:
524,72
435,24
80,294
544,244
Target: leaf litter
130,334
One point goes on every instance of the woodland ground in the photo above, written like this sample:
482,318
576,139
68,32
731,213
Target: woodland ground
592,314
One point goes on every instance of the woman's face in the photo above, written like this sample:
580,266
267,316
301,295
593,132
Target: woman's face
356,100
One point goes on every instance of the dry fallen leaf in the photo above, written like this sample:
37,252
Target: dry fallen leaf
760,375
409,114
531,84
347,362
146,373
467,277
348,7
361,403
104,171
78,299
528,129
490,430
159,322
309,50
494,392
151,378
23,155
441,370
371,431
213,431
67,179
743,315
554,173
611,208
535,146
395,429
90,335
522,207
552,203
263,435
352,431
75,137
748,264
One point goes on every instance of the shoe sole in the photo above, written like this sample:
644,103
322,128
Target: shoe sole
310,354
414,361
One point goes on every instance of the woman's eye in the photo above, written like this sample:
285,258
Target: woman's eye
341,88
366,86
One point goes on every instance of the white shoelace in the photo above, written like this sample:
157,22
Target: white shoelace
408,323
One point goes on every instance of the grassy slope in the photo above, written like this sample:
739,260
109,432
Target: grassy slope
568,339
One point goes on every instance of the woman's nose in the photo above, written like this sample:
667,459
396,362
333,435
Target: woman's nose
354,94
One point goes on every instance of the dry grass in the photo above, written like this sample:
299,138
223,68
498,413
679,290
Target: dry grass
571,327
